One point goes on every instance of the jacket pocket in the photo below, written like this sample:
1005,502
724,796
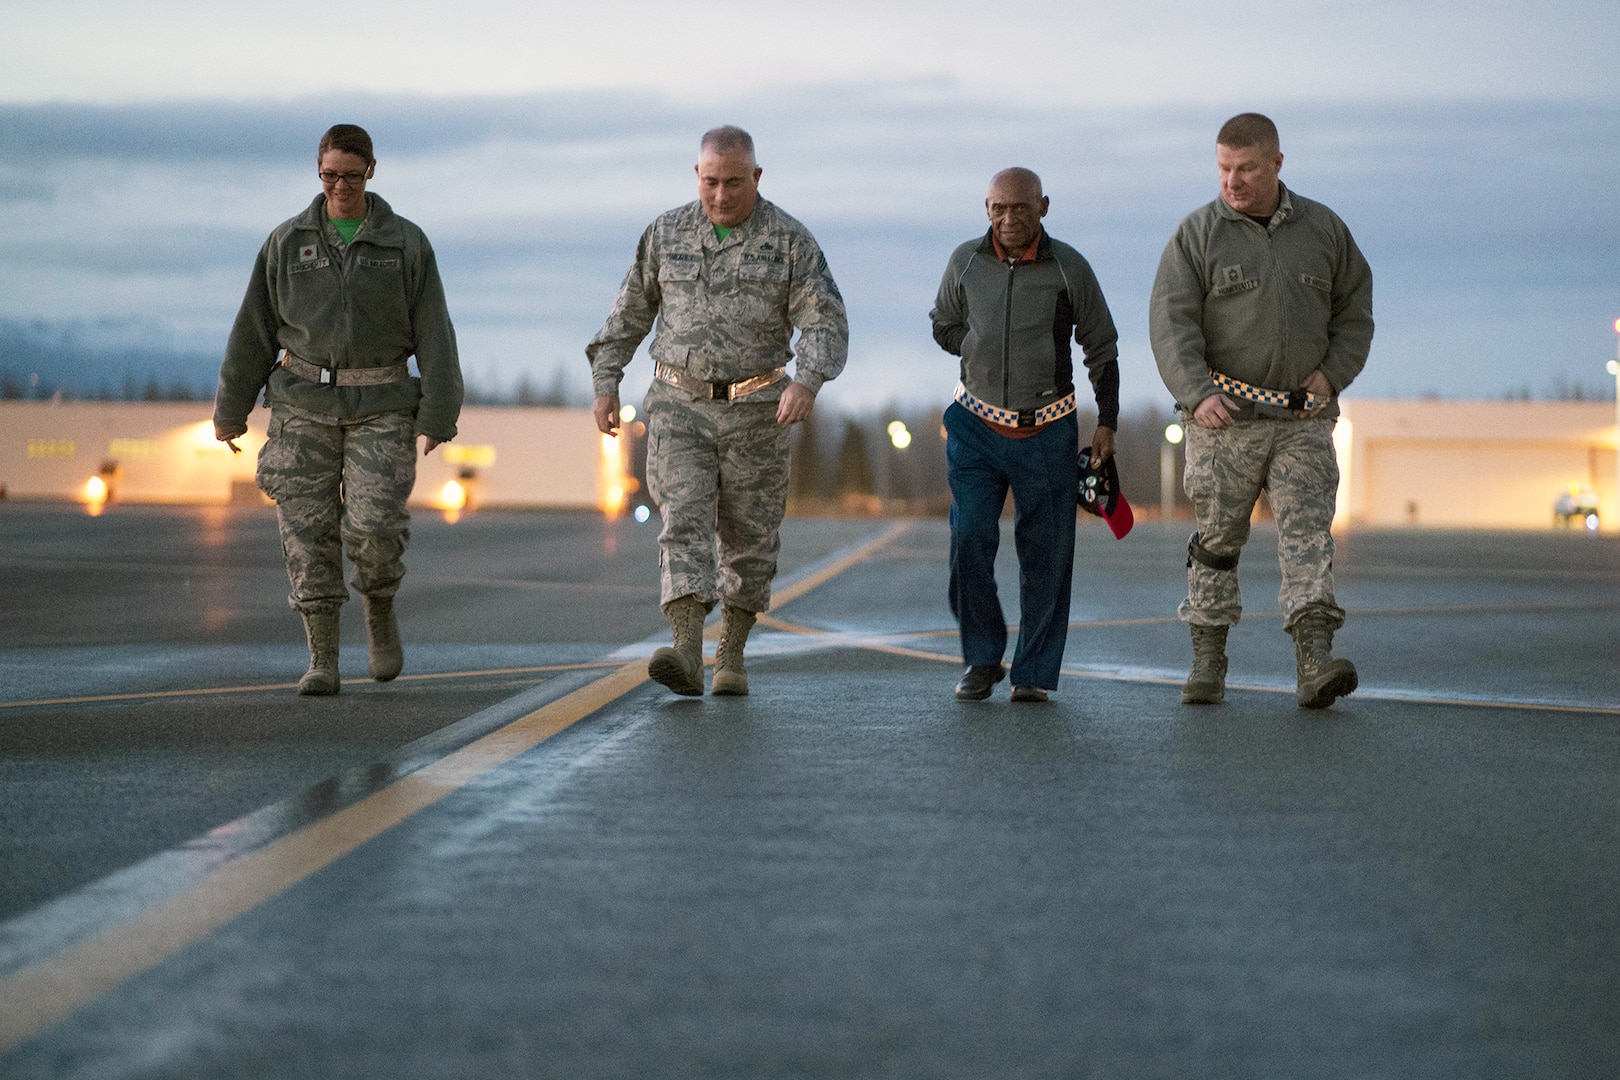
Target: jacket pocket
1319,284
762,292
763,271
679,269
268,472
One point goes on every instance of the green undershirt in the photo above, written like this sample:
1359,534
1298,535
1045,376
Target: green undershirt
347,227
722,231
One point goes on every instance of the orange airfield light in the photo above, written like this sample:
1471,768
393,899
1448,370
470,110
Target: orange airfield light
615,483
95,494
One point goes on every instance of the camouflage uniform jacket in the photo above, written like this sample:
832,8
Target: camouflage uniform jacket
371,303
1265,305
1011,325
726,309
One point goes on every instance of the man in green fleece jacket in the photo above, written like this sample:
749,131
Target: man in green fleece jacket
1261,315
341,297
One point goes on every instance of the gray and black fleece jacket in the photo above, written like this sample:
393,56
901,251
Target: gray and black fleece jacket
1011,324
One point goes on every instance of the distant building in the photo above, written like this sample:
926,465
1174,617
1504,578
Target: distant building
1472,464
1448,464
166,453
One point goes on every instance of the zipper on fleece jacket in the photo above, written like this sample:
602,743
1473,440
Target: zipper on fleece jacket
1006,340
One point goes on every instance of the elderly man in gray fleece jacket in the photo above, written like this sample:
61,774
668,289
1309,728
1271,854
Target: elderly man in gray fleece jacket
1009,304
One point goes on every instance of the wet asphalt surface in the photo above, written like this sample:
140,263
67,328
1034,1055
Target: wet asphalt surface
847,873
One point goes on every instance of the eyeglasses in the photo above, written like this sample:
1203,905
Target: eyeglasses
331,178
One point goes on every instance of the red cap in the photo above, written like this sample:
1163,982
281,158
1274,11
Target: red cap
1120,518
1100,494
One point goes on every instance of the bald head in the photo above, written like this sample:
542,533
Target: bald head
1017,181
1015,206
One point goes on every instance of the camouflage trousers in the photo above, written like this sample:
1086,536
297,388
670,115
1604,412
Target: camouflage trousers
340,486
719,473
1294,463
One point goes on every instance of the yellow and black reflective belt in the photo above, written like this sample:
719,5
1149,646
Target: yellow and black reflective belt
1293,400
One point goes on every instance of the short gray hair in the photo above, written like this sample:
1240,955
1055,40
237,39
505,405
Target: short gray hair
728,140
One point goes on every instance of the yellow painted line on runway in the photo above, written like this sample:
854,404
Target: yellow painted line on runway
796,589
42,994
204,691
38,996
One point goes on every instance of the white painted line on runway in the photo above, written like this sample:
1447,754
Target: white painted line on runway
1166,620
883,643
204,691
42,994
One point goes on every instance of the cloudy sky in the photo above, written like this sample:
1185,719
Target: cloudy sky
147,147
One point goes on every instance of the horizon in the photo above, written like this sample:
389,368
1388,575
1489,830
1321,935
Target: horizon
1471,153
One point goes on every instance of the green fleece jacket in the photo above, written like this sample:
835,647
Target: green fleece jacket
371,303
1267,306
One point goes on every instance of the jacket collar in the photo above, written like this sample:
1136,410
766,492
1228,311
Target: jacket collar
381,227
1043,247
699,221
1284,211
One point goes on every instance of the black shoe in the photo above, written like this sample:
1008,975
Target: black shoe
977,680
1029,693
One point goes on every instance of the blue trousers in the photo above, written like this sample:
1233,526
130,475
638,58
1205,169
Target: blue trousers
1043,474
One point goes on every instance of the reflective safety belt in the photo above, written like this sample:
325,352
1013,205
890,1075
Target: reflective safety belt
1015,418
1292,400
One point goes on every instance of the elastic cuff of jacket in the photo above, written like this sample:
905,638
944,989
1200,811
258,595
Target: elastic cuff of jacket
809,380
1197,551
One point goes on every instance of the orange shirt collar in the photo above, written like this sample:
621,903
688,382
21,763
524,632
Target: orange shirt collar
1027,256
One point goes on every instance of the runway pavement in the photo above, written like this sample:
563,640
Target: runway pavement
522,859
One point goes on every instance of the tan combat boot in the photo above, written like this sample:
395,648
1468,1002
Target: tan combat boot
1321,677
681,668
1206,683
321,628
729,678
385,654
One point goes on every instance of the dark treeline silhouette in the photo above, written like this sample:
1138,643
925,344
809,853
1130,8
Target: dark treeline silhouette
851,464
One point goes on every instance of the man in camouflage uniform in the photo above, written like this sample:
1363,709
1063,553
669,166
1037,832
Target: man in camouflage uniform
727,279
1261,315
341,297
